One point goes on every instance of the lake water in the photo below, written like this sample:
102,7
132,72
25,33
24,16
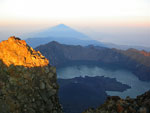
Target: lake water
124,76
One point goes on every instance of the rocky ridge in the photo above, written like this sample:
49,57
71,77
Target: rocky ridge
27,81
17,52
115,104
138,62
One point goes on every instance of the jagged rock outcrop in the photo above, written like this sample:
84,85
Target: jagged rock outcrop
115,104
27,81
17,52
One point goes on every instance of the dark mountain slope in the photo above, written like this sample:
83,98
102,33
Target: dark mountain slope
131,59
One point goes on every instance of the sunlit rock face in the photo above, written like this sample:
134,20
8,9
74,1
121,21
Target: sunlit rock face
17,52
27,81
145,53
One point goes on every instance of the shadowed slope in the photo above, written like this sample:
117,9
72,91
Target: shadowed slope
133,60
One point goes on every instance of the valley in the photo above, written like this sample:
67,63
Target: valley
75,64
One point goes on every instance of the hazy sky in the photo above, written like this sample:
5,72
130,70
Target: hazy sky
117,21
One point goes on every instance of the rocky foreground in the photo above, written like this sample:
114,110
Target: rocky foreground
115,104
27,81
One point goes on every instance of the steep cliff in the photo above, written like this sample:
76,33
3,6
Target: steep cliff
27,81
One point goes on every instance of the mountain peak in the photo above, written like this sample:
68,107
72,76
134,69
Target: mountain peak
61,25
53,42
15,51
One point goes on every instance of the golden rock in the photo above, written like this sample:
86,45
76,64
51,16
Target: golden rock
16,51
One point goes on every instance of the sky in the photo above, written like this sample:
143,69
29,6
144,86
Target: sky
124,22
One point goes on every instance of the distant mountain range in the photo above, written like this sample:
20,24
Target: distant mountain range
125,47
136,61
67,35
62,34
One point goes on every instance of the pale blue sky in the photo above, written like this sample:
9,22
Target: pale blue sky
104,20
